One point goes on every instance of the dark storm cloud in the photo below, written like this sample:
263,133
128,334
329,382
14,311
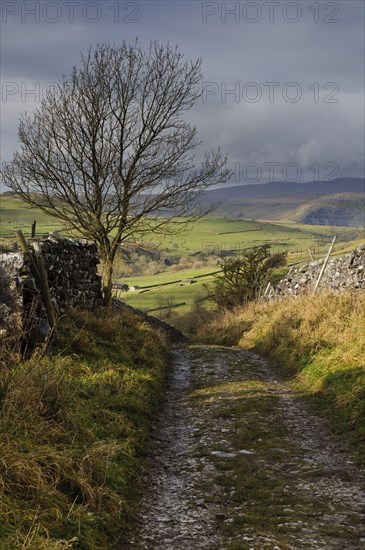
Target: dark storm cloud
308,75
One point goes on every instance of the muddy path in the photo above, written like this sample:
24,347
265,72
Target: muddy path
240,463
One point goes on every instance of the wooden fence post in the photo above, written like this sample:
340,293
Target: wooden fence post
268,287
39,271
34,226
325,261
44,287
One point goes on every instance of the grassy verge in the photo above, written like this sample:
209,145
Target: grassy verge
318,341
73,427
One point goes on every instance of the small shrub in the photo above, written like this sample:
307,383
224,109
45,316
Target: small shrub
244,278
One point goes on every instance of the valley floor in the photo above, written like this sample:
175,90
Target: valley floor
240,463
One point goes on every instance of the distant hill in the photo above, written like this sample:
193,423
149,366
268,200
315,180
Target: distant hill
339,202
342,209
274,188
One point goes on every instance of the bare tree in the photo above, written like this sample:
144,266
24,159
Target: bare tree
108,151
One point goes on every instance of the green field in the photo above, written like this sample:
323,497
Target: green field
223,233
15,215
150,296
200,246
231,233
213,235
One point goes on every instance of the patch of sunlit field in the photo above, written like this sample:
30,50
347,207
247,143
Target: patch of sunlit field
223,234
211,234
168,288
15,215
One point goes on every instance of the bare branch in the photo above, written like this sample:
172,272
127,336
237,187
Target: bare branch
109,152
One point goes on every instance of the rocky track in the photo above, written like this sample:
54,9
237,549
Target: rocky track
240,463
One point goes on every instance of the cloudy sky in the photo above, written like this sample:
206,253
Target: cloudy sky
283,81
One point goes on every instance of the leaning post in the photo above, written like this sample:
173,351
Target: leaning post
39,272
325,261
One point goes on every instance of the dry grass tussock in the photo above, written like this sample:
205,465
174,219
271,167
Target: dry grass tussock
72,427
318,340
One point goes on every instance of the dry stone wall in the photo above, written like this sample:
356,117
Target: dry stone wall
72,273
73,281
71,268
11,299
345,273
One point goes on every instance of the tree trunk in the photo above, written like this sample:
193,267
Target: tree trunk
107,280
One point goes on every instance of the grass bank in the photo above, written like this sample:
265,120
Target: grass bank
73,429
317,341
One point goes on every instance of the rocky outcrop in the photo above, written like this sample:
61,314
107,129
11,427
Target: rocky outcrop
342,209
327,215
345,273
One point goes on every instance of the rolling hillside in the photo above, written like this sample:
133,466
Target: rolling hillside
338,203
342,209
275,188
195,254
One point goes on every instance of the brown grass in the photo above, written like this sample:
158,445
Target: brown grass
319,341
72,427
